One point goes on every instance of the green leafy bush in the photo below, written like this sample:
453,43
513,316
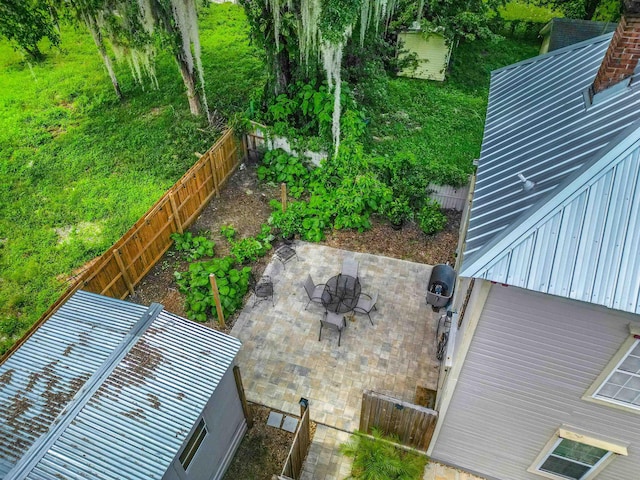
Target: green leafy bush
278,167
307,219
430,218
228,232
194,247
195,284
398,211
305,108
251,248
378,459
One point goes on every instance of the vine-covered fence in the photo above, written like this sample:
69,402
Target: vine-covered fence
117,271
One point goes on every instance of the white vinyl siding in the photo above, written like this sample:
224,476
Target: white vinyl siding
622,385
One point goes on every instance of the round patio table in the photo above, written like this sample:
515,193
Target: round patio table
341,294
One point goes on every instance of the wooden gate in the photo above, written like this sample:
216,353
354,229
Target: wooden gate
299,448
413,424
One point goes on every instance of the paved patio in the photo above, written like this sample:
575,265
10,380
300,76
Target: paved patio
282,360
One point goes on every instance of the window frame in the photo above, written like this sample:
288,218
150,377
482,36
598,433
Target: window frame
574,435
623,352
193,444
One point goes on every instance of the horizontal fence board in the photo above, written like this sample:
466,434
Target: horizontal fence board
140,248
450,198
414,425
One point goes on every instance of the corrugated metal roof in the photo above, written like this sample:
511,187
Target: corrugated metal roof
538,125
582,242
138,414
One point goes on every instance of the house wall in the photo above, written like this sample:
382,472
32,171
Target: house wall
531,360
433,55
226,426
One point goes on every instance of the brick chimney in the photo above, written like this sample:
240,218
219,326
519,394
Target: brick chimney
624,50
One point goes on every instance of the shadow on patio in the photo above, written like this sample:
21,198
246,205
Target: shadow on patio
282,360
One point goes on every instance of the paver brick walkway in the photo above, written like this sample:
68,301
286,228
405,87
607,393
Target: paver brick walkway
282,360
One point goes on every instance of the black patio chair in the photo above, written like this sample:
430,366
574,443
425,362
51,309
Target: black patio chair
333,320
262,289
366,303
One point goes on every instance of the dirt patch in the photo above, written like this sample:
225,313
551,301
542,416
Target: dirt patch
244,204
263,450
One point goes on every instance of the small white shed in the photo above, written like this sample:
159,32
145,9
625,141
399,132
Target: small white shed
433,51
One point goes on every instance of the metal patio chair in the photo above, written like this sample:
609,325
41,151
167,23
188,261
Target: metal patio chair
313,291
262,289
366,303
350,267
335,320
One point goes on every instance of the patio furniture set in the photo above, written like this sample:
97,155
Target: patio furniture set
340,295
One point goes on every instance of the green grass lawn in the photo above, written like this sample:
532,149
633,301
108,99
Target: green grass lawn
528,11
78,165
442,122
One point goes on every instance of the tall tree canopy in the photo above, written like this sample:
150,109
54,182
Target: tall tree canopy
305,40
131,29
26,22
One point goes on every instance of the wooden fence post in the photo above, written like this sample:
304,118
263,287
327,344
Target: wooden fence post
283,195
176,213
216,298
123,271
243,398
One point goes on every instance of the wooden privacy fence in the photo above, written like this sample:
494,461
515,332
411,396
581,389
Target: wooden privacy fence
117,271
413,424
301,442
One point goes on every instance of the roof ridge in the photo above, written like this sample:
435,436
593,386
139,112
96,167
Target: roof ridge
553,200
40,447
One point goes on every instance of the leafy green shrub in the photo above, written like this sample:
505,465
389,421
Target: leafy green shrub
307,219
305,108
251,248
377,459
228,232
430,218
194,247
278,167
195,284
398,211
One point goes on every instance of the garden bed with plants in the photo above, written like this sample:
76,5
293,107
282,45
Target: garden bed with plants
244,207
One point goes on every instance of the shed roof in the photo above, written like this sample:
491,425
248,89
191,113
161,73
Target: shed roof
572,235
106,389
564,32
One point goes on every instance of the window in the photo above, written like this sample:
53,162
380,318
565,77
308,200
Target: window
574,456
622,384
193,444
574,460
